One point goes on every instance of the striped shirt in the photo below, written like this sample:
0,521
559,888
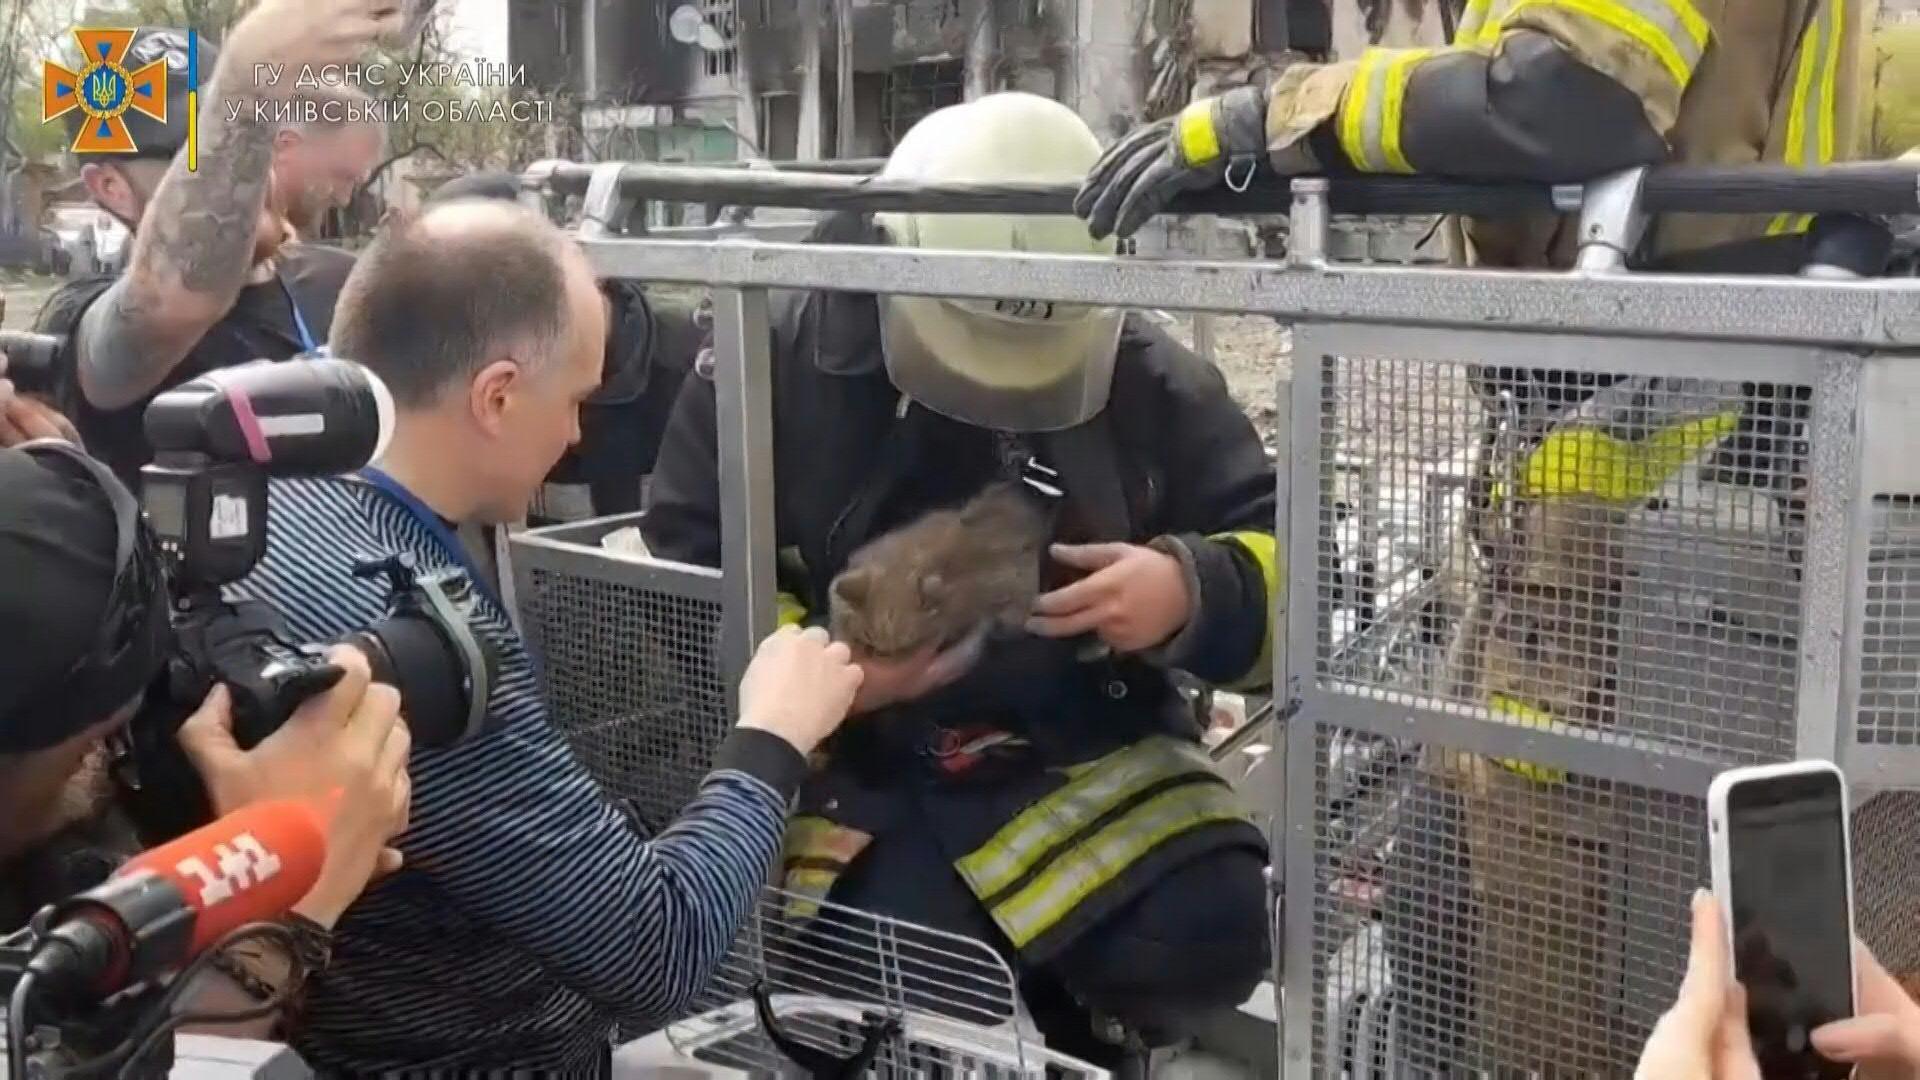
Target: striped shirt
531,916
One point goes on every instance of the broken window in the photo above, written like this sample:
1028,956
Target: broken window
914,90
721,15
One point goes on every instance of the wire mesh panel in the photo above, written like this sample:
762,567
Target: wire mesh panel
1886,880
1882,746
626,647
1886,825
1470,918
932,1004
1889,710
1546,604
1615,556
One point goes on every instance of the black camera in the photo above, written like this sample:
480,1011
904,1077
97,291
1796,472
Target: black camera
30,357
217,440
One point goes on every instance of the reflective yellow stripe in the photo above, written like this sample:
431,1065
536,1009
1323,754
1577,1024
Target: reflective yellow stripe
1481,25
1078,874
1371,109
810,841
1094,789
1355,105
1397,75
1829,78
1672,30
806,889
1474,22
1265,552
1517,712
789,611
808,837
1199,142
1811,118
1696,24
1584,461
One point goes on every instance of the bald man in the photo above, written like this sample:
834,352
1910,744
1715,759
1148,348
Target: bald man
532,916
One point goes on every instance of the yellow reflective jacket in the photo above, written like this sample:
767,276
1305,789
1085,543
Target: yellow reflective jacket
1565,90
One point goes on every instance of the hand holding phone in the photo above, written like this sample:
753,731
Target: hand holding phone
1884,1039
1782,874
1704,1035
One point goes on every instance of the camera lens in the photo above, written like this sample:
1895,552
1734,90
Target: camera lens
411,654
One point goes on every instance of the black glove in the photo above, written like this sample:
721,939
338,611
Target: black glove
1135,179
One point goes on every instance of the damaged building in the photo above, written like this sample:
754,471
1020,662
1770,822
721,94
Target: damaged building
720,80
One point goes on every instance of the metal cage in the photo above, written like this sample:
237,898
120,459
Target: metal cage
831,979
1513,701
1483,863
628,647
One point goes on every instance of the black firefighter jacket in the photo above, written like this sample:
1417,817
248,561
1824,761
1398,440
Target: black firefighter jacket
1172,458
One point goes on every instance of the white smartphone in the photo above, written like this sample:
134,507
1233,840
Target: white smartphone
1783,873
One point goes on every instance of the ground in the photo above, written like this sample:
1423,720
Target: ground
24,292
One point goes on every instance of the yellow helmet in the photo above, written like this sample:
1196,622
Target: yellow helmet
1014,364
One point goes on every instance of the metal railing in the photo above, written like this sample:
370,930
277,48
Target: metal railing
1467,889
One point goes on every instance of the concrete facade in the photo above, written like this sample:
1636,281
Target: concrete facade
764,77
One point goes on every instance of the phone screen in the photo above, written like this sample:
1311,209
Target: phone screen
1793,948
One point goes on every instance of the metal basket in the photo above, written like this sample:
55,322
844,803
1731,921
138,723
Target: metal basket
626,645
1515,710
1453,866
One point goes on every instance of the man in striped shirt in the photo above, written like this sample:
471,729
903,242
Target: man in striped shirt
530,916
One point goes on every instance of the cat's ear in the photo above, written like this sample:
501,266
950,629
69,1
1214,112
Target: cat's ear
933,590
853,587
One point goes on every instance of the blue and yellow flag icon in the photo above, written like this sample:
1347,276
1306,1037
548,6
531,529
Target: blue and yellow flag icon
104,90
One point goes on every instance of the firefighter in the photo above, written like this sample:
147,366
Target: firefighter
1052,798
1503,929
1557,91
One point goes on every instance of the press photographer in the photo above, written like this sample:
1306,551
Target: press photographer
23,415
217,440
120,639
79,645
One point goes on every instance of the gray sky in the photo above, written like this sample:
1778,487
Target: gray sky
479,27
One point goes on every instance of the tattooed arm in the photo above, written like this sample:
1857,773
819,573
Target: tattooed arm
194,248
191,257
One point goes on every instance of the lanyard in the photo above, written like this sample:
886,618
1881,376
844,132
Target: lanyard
436,528
307,344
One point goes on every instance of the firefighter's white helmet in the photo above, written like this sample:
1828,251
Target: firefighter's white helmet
1015,364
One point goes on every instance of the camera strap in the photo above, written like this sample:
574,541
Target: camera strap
437,528
307,343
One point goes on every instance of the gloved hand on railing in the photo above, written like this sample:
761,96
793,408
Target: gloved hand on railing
1215,139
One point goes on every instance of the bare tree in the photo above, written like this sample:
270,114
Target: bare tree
212,18
10,65
31,31
460,125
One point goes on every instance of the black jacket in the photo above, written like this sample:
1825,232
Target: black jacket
653,343
1172,456
260,326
